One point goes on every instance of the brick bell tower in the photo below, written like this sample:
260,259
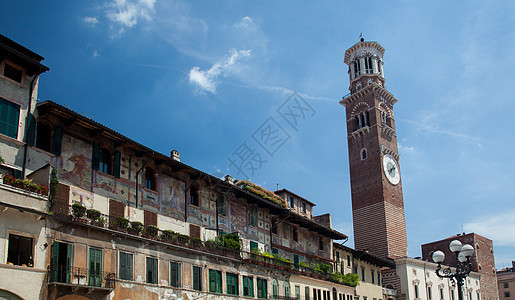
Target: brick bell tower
377,205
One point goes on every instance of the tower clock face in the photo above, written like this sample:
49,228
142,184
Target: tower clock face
391,169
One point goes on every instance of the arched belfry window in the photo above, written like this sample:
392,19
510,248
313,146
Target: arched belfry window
368,65
364,154
357,68
362,120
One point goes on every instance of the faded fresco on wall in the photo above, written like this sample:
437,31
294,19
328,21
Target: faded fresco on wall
150,201
74,164
81,196
109,186
195,215
238,218
223,224
172,198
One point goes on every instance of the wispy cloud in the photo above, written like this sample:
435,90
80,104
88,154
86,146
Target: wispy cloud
500,228
95,53
127,13
245,22
207,81
91,20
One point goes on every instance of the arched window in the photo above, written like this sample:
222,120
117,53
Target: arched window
275,289
286,289
44,137
363,154
150,179
357,68
306,293
335,293
105,163
368,65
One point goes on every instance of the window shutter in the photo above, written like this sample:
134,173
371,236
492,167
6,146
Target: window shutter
96,156
194,231
149,218
196,278
128,268
123,266
175,276
30,130
57,141
116,165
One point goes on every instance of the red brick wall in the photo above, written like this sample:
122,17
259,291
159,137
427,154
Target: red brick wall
483,260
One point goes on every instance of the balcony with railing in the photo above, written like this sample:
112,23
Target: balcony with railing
67,277
139,231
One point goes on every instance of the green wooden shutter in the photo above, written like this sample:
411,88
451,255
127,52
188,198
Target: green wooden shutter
175,274
30,129
128,268
196,278
116,165
96,156
69,263
95,267
57,140
55,260
9,117
122,266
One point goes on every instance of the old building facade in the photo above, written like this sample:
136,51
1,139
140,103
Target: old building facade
506,282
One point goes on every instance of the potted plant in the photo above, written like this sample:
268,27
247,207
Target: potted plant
93,214
151,231
136,227
121,223
167,235
43,189
8,179
78,210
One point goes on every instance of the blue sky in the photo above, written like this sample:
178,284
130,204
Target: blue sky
205,77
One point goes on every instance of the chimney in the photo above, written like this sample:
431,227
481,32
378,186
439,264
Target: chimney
175,155
229,179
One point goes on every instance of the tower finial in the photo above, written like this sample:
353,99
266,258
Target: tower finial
361,39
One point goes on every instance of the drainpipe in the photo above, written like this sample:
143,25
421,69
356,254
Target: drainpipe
137,176
26,146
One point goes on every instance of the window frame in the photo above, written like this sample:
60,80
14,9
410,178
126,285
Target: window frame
194,196
131,266
12,128
15,66
248,285
215,281
253,216
154,276
178,282
198,286
262,287
232,283
150,179
32,247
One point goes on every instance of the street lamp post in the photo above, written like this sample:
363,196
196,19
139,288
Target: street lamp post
463,266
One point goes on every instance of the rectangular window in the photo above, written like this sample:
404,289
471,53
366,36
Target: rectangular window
222,206
378,277
429,293
95,267
19,252
232,284
291,201
152,270
125,266
197,278
506,285
306,293
248,286
416,291
274,226
507,295
442,295
13,72
363,274
261,288
297,292
194,197
253,216
9,118
295,235
373,276
355,270
303,207
320,244
254,246
175,274
348,260
215,281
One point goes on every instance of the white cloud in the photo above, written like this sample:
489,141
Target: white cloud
500,228
208,80
95,53
245,22
91,20
127,13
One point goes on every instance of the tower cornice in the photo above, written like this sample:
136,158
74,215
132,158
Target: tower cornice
359,45
373,87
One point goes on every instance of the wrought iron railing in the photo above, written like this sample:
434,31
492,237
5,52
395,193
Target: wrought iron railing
80,276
